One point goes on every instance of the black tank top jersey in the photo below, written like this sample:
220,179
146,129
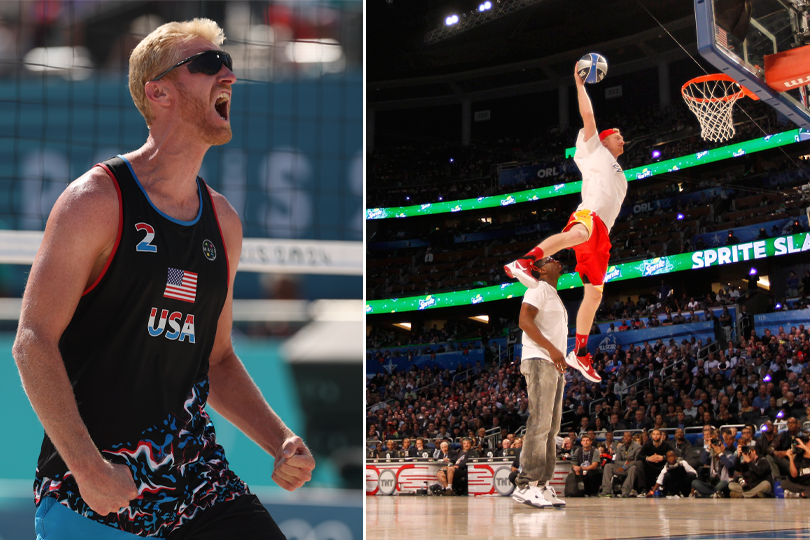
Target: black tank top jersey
136,352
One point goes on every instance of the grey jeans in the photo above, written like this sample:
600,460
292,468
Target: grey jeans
545,386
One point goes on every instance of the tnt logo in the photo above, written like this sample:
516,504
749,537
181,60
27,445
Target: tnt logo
501,481
174,319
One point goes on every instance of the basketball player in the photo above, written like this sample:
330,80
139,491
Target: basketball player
544,322
125,328
603,189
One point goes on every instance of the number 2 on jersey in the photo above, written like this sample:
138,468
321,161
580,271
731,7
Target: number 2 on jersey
146,243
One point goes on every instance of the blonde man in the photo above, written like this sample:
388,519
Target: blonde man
603,189
124,335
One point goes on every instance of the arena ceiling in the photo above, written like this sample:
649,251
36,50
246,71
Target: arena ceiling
525,51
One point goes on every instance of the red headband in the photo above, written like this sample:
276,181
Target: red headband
607,133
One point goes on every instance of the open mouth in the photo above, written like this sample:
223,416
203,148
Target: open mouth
222,105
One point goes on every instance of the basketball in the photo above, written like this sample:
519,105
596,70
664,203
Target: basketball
592,68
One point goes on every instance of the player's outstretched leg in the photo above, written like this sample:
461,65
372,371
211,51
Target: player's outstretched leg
521,269
580,358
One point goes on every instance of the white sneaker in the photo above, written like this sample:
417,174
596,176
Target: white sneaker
551,496
532,496
521,495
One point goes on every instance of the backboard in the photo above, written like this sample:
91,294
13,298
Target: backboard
775,26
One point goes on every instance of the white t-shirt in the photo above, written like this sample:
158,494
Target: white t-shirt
551,320
603,183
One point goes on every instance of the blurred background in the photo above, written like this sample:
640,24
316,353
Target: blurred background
293,171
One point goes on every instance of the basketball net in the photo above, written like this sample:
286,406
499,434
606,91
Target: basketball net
711,98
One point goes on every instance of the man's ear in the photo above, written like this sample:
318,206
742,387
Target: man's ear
159,93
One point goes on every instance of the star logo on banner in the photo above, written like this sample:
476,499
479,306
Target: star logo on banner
521,175
716,239
389,367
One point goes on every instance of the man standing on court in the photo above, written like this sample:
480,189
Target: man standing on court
544,322
125,328
603,189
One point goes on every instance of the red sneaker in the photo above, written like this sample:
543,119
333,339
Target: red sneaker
584,365
521,270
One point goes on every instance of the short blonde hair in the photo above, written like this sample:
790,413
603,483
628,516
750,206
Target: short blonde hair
159,51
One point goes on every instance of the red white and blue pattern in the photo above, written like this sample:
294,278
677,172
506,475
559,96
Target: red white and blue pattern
178,468
181,285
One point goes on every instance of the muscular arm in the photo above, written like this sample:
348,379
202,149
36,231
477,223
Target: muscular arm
585,108
527,315
232,391
78,239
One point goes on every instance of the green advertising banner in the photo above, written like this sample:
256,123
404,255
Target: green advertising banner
749,251
639,173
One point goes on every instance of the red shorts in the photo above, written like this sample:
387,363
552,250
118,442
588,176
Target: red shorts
593,255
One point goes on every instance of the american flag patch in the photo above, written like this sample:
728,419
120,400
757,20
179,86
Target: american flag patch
181,285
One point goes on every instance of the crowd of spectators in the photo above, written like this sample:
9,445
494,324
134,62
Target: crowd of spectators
412,271
408,174
765,378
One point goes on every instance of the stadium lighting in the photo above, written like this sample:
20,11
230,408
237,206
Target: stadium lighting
777,306
679,217
451,160
752,272
492,10
441,198
407,197
656,154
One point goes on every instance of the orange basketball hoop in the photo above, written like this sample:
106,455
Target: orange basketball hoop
711,98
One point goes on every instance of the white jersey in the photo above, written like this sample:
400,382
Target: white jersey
551,319
603,183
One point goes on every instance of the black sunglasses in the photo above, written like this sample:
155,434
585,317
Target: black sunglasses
208,62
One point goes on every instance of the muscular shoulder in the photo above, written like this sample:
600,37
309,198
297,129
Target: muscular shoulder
89,206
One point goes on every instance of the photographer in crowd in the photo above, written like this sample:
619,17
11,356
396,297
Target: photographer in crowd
798,484
718,460
675,477
754,474
784,444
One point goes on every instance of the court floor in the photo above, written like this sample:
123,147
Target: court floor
486,518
